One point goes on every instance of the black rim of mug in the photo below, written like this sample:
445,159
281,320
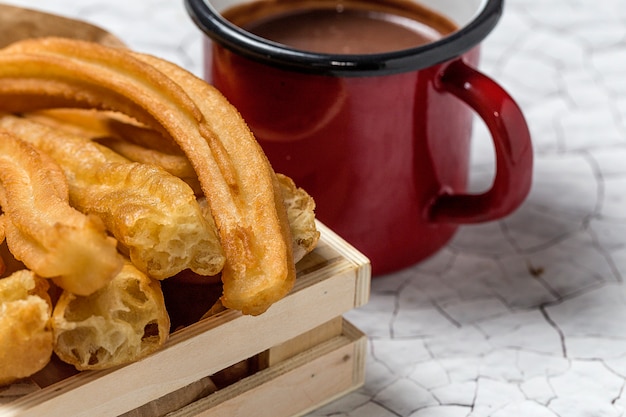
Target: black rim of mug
226,34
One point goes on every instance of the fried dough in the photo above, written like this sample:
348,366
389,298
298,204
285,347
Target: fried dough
25,334
3,265
123,135
301,213
118,324
269,271
155,215
133,142
238,181
51,238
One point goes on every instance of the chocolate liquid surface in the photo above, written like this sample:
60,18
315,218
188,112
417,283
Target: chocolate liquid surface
345,27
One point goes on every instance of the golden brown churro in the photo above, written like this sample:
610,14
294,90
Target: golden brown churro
120,323
51,238
25,335
240,186
117,169
155,215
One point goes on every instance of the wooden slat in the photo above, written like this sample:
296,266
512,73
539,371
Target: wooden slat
293,387
360,262
174,400
302,342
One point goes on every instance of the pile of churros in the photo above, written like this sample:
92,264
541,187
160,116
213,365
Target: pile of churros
119,170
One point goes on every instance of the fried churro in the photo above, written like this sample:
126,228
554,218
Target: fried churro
152,213
240,185
120,323
26,341
43,231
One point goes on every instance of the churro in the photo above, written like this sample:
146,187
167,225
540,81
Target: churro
152,213
120,323
26,341
43,231
240,185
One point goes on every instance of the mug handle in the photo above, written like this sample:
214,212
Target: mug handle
513,149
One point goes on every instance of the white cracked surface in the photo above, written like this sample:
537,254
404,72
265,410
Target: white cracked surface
521,317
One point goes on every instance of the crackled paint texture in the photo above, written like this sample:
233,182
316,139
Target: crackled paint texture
521,317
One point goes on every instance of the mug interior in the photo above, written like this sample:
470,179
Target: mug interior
461,12
475,19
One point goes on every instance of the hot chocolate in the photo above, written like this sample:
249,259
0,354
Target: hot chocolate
342,27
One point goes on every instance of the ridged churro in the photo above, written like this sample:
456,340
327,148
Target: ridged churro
152,213
240,185
43,231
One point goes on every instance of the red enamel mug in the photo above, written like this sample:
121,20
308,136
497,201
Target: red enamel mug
381,141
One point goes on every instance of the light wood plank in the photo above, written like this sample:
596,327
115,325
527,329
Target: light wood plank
293,387
302,342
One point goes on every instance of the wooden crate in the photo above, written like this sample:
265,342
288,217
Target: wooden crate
305,352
